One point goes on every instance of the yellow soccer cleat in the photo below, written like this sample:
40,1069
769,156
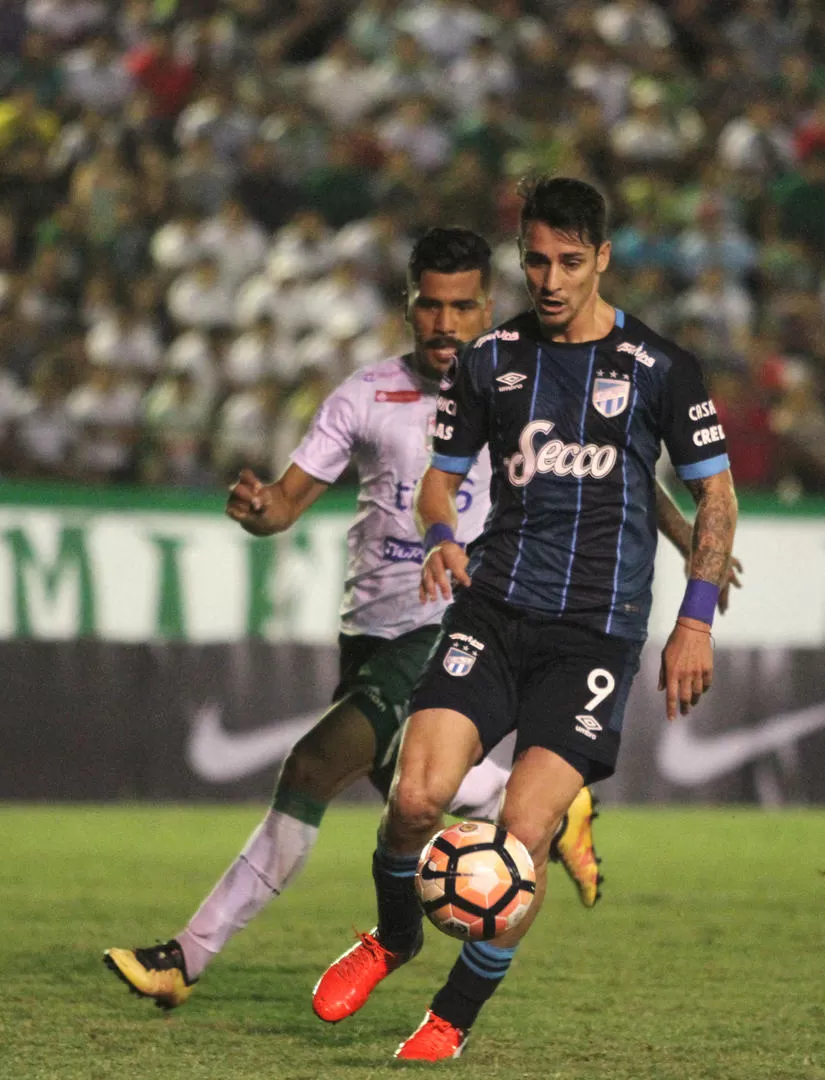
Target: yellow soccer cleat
158,972
573,847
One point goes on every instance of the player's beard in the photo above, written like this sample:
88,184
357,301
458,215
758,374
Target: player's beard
427,369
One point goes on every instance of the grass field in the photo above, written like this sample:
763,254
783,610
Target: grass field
703,961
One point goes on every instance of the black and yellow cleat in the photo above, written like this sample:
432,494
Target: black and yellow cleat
157,972
573,847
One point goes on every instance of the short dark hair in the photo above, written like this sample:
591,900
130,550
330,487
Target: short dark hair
568,205
449,251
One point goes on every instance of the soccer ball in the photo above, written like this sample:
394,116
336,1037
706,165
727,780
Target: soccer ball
475,880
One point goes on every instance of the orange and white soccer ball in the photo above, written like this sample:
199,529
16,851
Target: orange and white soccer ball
475,880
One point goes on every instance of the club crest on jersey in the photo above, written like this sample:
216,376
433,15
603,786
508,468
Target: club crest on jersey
610,396
458,662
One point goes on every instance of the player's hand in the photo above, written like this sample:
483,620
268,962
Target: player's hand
687,666
248,502
730,578
445,560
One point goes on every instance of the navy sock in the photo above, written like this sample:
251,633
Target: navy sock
399,913
475,976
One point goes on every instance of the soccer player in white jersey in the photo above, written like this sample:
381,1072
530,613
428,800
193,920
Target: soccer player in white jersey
382,418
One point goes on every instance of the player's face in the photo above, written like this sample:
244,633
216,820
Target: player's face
446,311
562,276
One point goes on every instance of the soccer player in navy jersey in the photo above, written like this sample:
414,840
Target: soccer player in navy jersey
574,399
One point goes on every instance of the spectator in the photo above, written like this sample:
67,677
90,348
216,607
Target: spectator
105,408
202,182
124,340
246,431
166,78
236,243
266,194
757,143
199,298
96,77
262,352
412,127
176,418
46,434
445,29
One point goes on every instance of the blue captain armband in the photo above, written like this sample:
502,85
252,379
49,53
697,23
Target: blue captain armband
700,600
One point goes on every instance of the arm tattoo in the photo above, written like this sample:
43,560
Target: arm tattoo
713,528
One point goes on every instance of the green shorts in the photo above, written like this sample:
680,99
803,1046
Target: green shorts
378,677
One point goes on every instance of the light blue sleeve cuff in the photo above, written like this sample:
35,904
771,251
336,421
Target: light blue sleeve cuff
700,469
461,465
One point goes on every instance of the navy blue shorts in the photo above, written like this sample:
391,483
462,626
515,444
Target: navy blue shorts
556,684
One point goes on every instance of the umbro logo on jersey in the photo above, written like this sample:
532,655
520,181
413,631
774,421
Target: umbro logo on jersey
511,381
588,725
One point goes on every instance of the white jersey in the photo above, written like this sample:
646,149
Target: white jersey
382,418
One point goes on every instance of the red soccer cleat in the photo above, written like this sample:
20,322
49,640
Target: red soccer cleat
434,1040
346,984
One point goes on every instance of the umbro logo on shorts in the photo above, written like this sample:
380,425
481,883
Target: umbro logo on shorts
588,725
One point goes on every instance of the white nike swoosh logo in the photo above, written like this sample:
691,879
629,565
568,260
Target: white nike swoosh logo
689,759
218,755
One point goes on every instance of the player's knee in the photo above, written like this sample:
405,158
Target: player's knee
415,807
309,772
536,835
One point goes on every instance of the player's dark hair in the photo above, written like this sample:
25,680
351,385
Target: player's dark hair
449,251
570,206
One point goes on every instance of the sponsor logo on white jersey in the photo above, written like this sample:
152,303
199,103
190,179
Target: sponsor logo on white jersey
638,352
610,396
588,725
557,457
400,397
512,380
502,335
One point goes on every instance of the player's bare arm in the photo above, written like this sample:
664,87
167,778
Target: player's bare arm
673,524
265,509
435,506
687,659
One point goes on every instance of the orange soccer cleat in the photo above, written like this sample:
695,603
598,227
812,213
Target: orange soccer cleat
434,1040
346,984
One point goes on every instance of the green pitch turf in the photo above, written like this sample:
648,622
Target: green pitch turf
703,961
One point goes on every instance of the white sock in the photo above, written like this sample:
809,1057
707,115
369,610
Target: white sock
274,854
482,792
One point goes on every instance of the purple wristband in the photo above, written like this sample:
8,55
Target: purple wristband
700,601
437,534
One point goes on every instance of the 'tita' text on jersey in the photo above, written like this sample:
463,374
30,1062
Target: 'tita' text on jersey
574,432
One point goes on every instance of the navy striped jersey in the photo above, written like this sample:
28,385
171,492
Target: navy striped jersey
574,433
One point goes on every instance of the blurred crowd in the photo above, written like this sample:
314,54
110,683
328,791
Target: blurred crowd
206,207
